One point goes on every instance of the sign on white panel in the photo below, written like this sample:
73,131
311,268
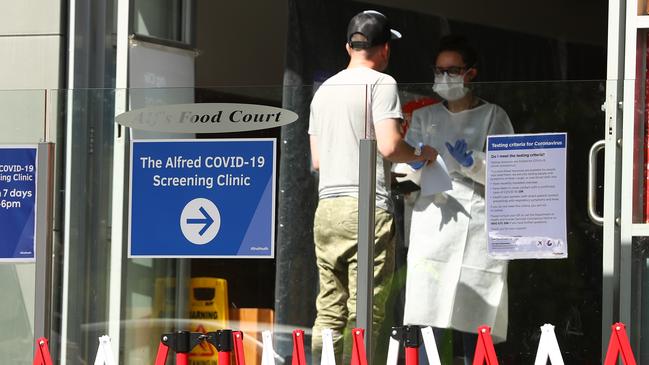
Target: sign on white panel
526,196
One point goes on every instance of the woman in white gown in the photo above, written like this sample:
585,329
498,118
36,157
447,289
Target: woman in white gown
452,282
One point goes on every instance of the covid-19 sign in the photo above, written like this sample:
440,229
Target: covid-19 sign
202,198
18,173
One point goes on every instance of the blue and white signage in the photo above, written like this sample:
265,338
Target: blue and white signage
18,168
526,196
202,198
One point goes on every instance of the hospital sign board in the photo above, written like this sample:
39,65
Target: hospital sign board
18,174
202,198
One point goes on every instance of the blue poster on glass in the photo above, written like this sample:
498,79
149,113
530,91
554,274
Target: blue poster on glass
202,198
18,169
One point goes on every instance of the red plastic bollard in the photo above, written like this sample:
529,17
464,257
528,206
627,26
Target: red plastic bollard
224,357
359,357
161,356
239,356
619,345
299,357
42,354
412,356
484,351
411,335
227,342
182,358
181,342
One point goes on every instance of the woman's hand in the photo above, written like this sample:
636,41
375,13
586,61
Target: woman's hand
460,153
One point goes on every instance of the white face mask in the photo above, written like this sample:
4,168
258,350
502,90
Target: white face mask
450,88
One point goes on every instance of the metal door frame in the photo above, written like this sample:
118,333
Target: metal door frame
612,169
624,95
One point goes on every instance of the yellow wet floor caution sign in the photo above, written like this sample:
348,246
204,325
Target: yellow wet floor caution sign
208,309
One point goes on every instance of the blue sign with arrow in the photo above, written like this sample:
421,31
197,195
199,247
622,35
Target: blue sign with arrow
202,198
18,173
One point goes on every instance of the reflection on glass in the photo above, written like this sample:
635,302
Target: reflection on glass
452,283
566,293
22,122
279,293
23,119
159,19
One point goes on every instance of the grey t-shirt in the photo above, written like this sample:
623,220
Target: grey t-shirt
338,120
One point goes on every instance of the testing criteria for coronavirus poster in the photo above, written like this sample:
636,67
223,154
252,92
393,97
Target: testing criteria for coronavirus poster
526,196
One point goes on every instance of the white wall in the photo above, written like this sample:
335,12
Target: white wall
31,37
32,41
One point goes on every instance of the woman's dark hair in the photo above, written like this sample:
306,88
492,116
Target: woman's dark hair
459,44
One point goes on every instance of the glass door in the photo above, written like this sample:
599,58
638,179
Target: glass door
566,293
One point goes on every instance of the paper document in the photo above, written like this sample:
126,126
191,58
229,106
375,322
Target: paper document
434,178
408,173
526,196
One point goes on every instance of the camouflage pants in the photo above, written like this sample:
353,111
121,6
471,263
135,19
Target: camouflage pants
336,239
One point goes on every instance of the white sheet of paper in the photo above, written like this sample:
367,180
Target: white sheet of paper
434,178
408,171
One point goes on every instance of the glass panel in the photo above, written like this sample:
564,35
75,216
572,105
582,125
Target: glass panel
164,294
640,299
170,290
640,136
23,121
565,293
82,257
160,19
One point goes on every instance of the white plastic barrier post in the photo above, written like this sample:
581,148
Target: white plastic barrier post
268,354
393,349
104,352
327,357
397,337
548,347
431,346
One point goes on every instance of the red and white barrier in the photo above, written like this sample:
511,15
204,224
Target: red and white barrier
104,352
548,347
431,346
42,354
619,346
411,338
182,343
359,356
299,358
268,353
484,350
328,356
227,342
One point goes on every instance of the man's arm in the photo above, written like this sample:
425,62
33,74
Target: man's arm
392,146
315,157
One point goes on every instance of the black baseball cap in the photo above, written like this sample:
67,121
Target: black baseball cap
374,26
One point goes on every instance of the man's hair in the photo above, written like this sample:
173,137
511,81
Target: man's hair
459,44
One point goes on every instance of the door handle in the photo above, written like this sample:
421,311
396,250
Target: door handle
592,182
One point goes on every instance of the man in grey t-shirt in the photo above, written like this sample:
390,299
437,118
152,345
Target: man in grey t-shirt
337,123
